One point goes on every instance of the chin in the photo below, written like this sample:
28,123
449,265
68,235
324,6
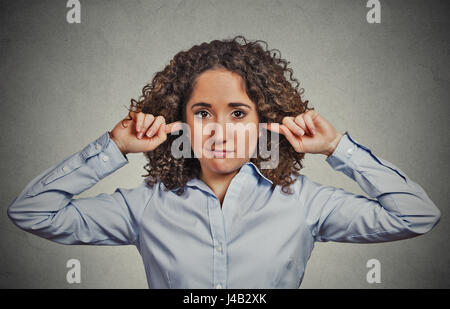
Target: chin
223,166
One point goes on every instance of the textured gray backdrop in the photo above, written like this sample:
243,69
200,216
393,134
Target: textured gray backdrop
63,85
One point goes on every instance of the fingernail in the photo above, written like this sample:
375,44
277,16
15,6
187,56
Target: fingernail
301,132
150,133
140,135
313,131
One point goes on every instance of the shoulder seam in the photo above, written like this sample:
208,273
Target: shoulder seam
144,208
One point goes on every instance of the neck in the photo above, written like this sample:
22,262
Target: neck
218,182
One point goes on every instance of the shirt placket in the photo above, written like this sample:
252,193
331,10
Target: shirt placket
220,220
219,242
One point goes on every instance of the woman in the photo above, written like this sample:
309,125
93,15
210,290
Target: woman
212,218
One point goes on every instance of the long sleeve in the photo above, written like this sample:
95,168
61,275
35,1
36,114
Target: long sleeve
398,208
46,206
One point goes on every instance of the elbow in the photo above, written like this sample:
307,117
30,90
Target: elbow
426,221
434,218
11,211
14,214
19,214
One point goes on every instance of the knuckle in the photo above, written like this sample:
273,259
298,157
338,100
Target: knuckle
311,114
158,119
149,119
285,120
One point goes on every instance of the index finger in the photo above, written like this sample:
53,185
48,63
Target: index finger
133,114
173,127
275,127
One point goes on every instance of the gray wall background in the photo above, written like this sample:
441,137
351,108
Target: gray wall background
63,85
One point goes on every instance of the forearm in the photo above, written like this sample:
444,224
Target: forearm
404,202
53,189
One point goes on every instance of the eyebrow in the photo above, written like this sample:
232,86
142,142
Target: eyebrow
231,104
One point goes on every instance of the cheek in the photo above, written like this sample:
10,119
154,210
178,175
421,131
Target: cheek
197,138
252,141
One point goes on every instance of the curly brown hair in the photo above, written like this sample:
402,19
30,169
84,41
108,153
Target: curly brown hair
265,83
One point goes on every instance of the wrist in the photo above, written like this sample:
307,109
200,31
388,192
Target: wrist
118,144
333,145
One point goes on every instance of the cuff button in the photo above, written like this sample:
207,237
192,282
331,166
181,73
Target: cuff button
66,169
98,146
105,158
349,152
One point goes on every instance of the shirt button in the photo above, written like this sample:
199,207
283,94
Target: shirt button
219,286
98,146
66,169
105,158
349,152
219,248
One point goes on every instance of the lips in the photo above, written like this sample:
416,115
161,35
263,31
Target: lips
220,153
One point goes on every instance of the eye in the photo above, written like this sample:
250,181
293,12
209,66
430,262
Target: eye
201,113
242,114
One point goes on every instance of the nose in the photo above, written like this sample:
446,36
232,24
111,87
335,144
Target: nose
220,133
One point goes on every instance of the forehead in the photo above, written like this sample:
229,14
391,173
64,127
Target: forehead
215,86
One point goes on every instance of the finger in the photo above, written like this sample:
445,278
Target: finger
155,126
173,127
139,121
157,139
133,114
295,128
274,127
161,135
292,139
309,123
148,120
299,120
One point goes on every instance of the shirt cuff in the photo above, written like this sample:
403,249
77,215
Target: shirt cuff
342,153
350,155
81,170
104,156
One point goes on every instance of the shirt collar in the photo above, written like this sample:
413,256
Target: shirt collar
248,168
251,168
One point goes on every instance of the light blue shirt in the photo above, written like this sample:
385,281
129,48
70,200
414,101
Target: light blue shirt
260,238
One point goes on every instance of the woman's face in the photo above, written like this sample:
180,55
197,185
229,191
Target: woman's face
222,117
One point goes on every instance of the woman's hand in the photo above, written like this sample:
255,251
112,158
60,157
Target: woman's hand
309,132
144,132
